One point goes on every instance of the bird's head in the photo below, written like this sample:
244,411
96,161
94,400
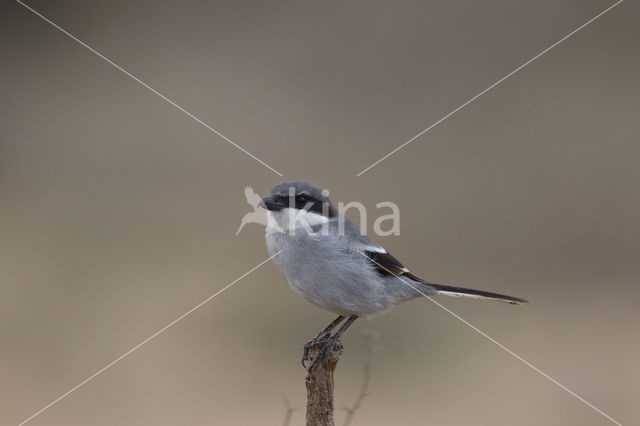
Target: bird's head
299,196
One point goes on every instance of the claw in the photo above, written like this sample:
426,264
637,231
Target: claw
327,340
305,353
311,343
324,352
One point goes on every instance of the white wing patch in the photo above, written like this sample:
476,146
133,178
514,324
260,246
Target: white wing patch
378,249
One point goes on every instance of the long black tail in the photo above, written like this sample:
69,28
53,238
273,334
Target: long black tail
476,294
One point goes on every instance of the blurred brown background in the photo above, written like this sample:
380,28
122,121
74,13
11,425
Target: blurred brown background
118,212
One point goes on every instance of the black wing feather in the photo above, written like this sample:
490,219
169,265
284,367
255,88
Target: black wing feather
387,265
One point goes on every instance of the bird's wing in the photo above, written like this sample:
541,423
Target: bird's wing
380,259
386,264
252,198
355,236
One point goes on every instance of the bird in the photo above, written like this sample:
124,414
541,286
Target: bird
257,215
327,259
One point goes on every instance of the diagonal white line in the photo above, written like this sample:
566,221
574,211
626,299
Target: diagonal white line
500,345
492,86
115,361
146,86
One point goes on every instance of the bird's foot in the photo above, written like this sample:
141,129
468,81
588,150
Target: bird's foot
318,340
328,345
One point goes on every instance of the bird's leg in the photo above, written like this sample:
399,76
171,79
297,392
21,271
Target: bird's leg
313,341
331,341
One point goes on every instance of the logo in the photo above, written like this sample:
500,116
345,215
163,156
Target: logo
301,218
258,215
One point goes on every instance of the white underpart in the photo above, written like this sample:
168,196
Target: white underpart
288,218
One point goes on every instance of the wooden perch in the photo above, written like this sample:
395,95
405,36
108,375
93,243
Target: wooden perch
319,382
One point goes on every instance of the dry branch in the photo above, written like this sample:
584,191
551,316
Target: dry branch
319,382
290,409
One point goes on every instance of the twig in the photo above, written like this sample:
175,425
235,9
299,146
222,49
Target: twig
319,382
289,412
370,339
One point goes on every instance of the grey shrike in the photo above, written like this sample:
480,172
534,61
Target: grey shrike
328,261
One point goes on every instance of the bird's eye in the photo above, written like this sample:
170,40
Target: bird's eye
301,197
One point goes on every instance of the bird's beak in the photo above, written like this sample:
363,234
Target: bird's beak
270,203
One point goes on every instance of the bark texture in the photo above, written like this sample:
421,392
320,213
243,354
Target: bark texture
319,382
